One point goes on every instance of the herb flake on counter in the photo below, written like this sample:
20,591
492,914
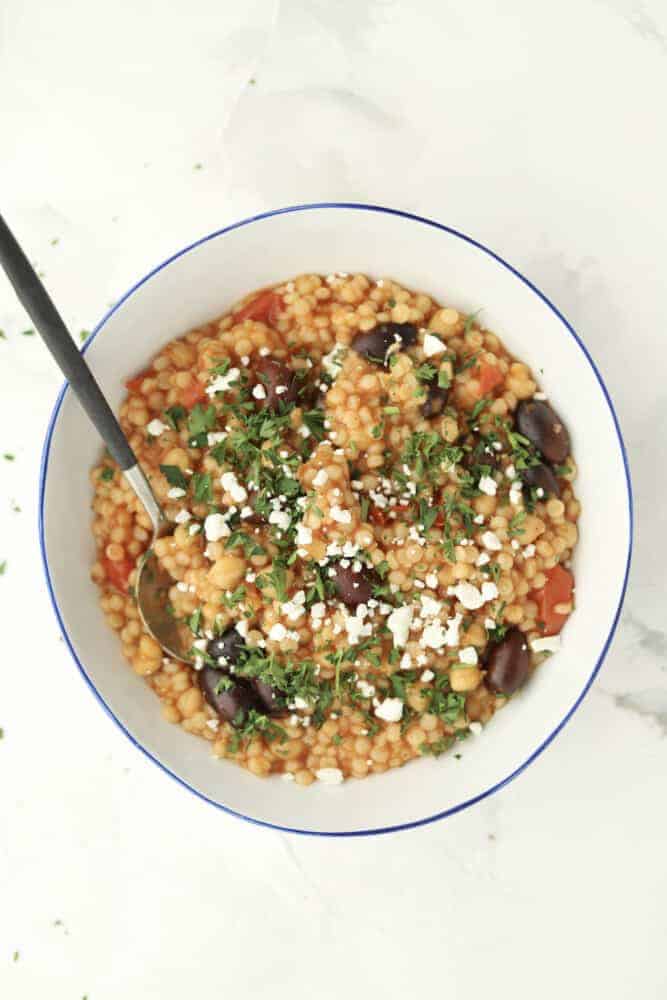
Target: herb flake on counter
3,567
27,333
8,457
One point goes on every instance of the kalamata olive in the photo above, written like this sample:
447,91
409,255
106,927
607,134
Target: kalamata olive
279,382
435,402
227,646
540,423
271,698
376,342
353,587
228,697
508,663
541,477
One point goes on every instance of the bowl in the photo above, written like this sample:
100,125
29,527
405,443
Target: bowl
202,281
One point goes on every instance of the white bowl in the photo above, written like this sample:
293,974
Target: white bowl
198,284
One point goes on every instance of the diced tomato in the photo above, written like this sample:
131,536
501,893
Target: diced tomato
265,308
490,376
195,393
557,590
118,573
378,517
134,383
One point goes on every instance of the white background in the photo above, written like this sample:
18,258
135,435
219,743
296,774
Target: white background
539,129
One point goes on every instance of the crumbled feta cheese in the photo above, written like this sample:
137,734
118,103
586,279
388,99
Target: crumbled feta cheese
391,710
194,529
355,627
432,345
541,396
278,632
398,623
406,662
529,551
429,607
294,608
333,361
329,775
479,519
223,382
489,623
215,528
365,689
215,437
488,485
427,676
183,517
242,628
339,515
489,592
231,485
156,427
475,728
432,581
259,392
434,636
287,776
546,644
304,535
483,558
182,587
491,541
469,596
280,518
515,544
468,655
318,610
175,493
321,477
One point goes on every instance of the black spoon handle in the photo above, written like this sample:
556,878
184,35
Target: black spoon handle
53,331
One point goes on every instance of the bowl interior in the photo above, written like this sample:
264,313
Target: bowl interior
201,283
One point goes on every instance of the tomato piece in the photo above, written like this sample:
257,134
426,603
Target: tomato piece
118,573
378,517
490,377
265,308
195,393
557,590
134,383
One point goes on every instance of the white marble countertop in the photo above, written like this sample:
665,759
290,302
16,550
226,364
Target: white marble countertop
128,131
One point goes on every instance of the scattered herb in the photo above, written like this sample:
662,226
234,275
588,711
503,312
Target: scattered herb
470,319
194,621
3,567
516,524
8,456
27,333
83,335
106,474
174,476
202,487
174,416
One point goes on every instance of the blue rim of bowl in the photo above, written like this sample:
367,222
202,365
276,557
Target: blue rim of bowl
533,756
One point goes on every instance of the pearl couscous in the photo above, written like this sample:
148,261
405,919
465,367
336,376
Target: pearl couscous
373,520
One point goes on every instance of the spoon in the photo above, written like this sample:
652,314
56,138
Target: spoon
153,582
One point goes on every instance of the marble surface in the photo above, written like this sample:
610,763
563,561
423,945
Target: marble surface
131,129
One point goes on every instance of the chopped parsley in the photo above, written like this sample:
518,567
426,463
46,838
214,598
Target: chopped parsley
174,415
174,476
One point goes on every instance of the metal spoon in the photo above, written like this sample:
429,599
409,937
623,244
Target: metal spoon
153,582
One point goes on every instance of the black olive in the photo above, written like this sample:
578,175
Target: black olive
541,477
435,402
508,663
231,698
352,586
274,375
271,698
375,344
540,423
227,646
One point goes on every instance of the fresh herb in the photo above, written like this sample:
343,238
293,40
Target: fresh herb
231,599
83,335
391,411
250,546
174,415
560,470
200,422
106,474
378,430
194,621
468,361
3,335
437,748
363,507
477,409
516,524
399,683
444,380
427,452
27,333
314,421
15,956
198,166
3,567
174,476
427,515
202,487
221,368
470,319
8,456
426,372
337,739
493,570
391,303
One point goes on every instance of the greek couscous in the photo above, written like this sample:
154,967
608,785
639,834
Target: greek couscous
373,524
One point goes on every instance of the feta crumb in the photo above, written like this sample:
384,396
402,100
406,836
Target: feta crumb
223,382
469,596
429,607
231,485
215,437
489,592
215,528
529,551
194,529
175,493
434,636
304,535
318,610
245,360
242,628
475,728
278,632
183,517
488,485
541,396
280,518
339,515
399,622
333,361
329,775
510,472
468,655
546,644
156,427
391,710
483,558
321,477
489,623
365,689
287,776
491,541
432,581
479,519
427,676
259,392
432,345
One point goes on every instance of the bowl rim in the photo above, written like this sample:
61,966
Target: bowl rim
466,803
